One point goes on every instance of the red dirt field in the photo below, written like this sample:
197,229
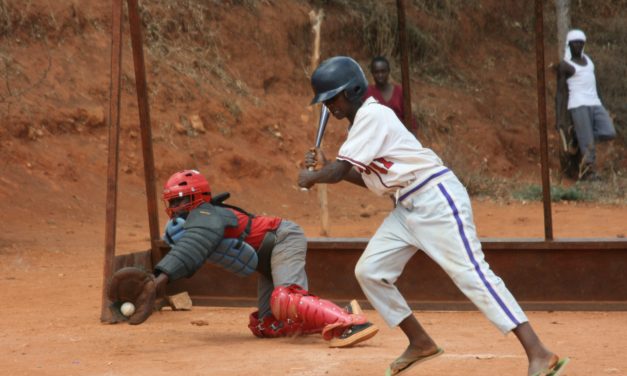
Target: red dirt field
51,272
241,70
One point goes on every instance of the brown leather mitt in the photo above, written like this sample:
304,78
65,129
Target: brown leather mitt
133,285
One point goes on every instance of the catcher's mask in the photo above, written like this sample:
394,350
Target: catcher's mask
184,191
338,74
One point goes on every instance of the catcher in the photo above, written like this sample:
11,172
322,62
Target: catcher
203,228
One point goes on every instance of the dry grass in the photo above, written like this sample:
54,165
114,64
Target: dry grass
30,20
182,36
605,46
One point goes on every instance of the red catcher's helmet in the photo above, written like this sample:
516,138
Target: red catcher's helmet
183,184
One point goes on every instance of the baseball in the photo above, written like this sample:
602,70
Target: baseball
127,309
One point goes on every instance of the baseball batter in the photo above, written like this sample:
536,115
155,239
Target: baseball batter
432,213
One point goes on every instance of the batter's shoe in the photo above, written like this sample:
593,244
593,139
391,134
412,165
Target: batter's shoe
402,364
357,333
554,370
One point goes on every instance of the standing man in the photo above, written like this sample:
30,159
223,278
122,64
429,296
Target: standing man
578,90
432,213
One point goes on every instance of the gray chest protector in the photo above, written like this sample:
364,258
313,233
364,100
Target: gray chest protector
200,238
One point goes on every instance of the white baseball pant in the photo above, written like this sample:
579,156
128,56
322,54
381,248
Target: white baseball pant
438,220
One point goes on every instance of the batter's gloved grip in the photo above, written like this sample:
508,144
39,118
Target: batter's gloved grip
133,285
174,230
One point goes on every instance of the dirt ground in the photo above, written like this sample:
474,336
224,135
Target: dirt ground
228,90
51,286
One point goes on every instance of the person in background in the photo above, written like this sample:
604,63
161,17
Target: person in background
385,92
577,89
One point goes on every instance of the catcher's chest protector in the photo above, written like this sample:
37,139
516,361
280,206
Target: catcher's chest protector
204,229
235,256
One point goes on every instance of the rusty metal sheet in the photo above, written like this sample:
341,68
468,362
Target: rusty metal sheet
569,274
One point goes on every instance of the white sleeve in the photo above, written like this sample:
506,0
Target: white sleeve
364,140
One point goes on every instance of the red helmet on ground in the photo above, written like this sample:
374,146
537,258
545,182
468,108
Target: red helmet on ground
184,191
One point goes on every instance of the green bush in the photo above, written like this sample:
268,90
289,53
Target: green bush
533,192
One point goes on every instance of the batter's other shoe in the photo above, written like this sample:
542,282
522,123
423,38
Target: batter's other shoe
356,333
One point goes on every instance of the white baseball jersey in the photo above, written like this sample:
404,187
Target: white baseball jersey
386,155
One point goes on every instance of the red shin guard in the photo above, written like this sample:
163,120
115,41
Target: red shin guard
295,304
270,327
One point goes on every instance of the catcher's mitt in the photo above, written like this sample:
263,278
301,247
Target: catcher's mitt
133,285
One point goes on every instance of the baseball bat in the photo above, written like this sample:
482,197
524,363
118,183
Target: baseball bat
322,125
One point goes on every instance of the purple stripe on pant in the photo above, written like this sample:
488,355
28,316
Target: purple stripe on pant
462,233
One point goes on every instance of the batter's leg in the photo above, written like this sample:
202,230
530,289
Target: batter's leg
380,266
455,246
377,270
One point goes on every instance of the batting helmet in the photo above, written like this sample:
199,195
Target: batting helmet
183,184
337,74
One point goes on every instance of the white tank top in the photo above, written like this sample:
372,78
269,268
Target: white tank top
582,86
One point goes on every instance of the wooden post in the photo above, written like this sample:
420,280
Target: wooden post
114,137
562,15
114,143
316,23
144,122
544,153
402,36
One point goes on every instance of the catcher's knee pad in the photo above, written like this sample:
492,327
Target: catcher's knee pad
296,304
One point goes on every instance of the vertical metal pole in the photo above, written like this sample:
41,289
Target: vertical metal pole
144,122
544,154
114,142
402,35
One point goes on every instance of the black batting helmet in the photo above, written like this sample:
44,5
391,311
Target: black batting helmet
337,74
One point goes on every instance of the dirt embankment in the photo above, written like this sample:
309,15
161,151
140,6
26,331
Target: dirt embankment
229,91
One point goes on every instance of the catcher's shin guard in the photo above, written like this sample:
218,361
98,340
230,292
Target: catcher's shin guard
296,304
270,327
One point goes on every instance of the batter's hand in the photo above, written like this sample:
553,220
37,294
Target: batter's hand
311,158
306,178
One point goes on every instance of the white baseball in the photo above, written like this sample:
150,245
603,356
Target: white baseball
127,309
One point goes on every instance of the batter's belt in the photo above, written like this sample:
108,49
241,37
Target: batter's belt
414,186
